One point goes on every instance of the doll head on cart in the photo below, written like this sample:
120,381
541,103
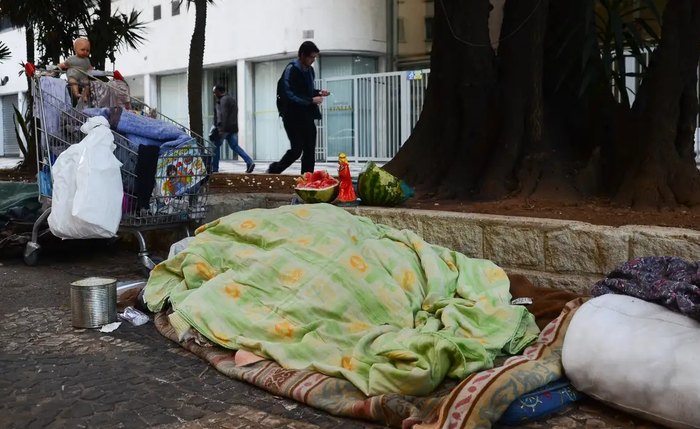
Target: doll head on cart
77,67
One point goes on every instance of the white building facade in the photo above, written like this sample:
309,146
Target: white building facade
248,43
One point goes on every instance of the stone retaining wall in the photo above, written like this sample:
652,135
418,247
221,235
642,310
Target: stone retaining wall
553,253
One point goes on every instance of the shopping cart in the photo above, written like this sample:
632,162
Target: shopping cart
164,187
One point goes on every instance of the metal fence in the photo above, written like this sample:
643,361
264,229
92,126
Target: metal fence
368,117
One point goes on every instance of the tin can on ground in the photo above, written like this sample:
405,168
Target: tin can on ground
93,302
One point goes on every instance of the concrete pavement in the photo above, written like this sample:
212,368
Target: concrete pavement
55,376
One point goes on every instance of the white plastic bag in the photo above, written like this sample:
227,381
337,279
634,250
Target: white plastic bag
87,193
133,316
179,246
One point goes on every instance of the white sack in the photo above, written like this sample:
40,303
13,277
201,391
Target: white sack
637,356
87,186
179,246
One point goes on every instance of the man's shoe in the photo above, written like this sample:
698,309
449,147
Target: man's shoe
250,168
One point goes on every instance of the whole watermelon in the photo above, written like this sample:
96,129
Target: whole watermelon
378,187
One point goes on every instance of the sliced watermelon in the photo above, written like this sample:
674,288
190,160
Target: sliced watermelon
314,194
317,187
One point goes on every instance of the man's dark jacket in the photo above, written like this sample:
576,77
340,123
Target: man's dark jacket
299,90
227,114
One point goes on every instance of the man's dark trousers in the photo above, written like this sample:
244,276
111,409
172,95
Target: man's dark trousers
301,131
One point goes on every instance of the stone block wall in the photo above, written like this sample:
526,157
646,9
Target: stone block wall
552,253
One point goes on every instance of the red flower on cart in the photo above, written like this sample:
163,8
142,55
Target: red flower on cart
29,69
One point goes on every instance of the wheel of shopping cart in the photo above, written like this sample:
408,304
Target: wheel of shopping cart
32,248
148,263
31,253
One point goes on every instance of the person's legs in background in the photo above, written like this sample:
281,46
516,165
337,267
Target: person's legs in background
216,153
308,158
295,136
232,139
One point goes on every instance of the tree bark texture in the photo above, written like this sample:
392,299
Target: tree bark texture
194,68
528,121
29,163
99,35
661,169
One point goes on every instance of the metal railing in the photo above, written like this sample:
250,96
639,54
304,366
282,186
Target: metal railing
370,116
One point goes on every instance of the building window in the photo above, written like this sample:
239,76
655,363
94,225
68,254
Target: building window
156,13
401,30
175,6
428,28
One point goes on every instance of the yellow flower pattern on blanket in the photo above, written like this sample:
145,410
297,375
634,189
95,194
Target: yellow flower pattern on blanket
358,263
233,290
291,278
316,287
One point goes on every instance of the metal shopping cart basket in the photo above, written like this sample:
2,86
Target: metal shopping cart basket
165,186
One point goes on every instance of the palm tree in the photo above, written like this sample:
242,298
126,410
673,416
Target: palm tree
20,14
108,32
57,24
195,65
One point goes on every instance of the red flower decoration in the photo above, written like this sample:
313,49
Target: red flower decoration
117,75
29,69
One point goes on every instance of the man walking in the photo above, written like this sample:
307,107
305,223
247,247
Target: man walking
226,128
299,110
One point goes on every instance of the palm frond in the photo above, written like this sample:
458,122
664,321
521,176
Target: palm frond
4,52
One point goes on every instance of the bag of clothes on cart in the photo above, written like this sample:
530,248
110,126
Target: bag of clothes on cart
87,192
87,186
163,165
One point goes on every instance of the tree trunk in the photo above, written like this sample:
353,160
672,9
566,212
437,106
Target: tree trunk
526,121
100,37
194,68
29,163
448,147
662,170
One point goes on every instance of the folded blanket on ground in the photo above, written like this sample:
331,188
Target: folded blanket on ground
666,280
312,286
477,402
481,398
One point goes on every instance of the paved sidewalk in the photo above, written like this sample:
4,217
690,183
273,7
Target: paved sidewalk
8,162
55,376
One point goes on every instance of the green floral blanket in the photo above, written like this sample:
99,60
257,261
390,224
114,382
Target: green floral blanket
314,287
